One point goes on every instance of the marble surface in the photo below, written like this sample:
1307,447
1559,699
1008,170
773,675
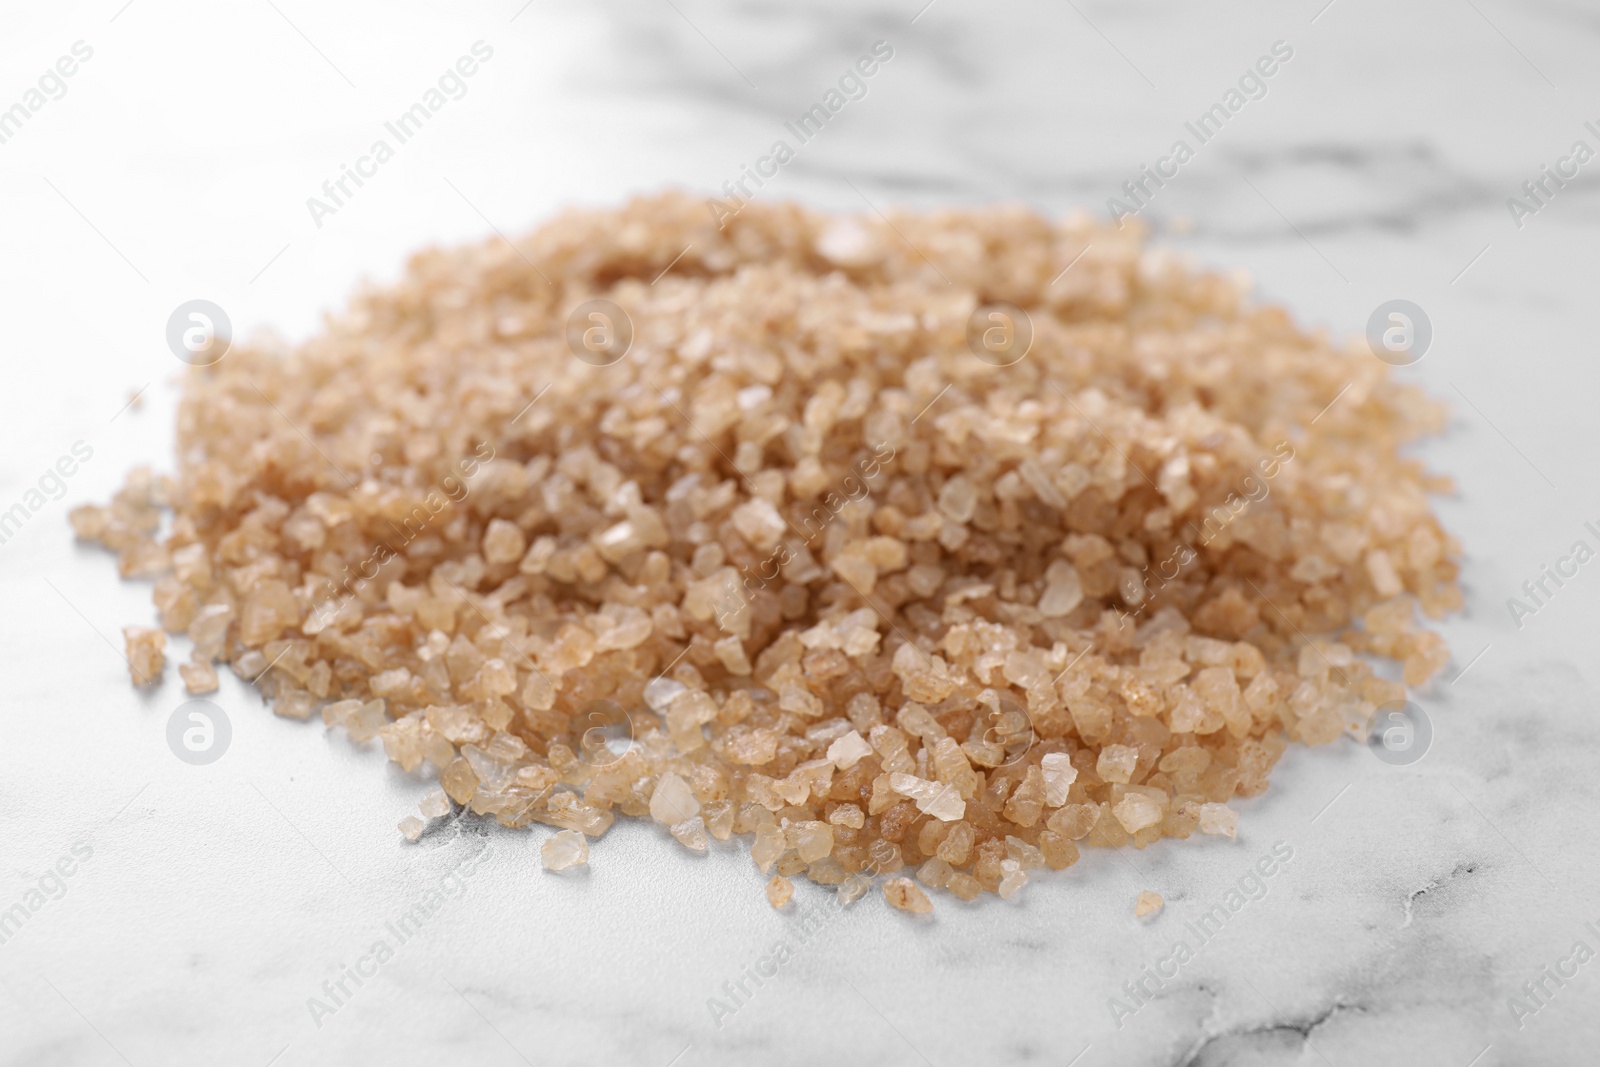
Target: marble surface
206,905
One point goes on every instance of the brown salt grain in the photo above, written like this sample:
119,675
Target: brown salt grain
906,895
146,653
848,589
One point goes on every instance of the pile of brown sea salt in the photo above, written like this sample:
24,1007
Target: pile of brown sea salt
797,564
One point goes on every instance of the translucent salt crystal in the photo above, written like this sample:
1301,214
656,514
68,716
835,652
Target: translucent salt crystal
916,719
1059,774
630,628
730,653
719,815
503,542
537,692
950,765
458,780
1063,591
335,714
1219,819
210,626
958,499
906,895
1012,879
146,653
1149,903
1381,572
435,805
852,889
795,697
912,787
659,693
563,849
939,799
964,886
1025,669
849,750
1136,811
495,678
849,815
956,848
412,827
793,789
1192,715
1117,762
364,723
1027,803
691,834
1024,854
1059,852
567,812
813,840
387,683
779,890
769,845
946,805
1219,690
293,704
250,665
199,676
673,801
934,873
759,523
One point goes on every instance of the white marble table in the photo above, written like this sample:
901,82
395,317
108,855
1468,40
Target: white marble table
206,905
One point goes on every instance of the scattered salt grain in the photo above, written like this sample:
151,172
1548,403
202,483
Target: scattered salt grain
906,895
566,848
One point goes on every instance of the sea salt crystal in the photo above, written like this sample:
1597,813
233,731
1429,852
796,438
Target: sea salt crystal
1116,763
1136,811
1219,819
1059,774
813,840
691,834
759,523
849,750
849,815
1063,591
146,653
564,849
364,723
769,845
938,799
659,693
503,542
852,889
673,801
199,676
906,895
1012,879
435,805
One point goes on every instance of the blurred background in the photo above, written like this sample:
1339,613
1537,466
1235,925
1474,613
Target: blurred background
175,162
